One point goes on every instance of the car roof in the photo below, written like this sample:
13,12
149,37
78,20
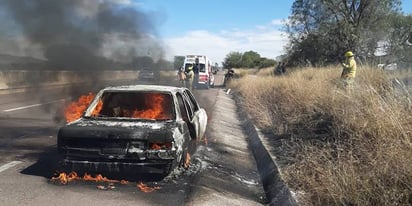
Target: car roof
142,87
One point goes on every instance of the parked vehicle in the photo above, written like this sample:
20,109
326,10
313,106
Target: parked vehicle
206,77
147,75
138,128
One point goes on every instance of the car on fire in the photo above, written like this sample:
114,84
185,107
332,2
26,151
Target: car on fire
142,128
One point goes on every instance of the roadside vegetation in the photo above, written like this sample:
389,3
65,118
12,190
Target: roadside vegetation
336,147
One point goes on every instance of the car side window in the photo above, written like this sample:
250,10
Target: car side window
192,100
202,68
186,114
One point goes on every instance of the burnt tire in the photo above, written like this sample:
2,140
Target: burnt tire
169,168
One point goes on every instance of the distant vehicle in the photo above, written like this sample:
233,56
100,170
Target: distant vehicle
147,75
138,128
391,67
206,77
215,71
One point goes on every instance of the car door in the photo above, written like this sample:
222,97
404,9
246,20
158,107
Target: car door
187,114
199,118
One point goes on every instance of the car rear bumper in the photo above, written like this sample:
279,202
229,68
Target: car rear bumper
128,167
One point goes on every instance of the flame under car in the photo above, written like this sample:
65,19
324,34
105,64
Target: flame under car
140,128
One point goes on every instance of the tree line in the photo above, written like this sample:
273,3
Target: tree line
320,31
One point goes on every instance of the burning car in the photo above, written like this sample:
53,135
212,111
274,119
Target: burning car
143,128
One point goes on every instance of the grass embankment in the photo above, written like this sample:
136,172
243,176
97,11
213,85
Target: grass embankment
341,148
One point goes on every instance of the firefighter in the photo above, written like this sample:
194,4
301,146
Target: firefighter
196,70
349,70
189,76
181,76
229,76
278,69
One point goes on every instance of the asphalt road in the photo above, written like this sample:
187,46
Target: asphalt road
222,169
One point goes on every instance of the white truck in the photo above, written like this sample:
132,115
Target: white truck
206,78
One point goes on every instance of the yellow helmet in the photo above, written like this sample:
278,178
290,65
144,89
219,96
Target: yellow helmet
349,54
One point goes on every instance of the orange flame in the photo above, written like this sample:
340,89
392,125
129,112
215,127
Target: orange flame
124,182
98,178
156,102
155,108
144,188
64,178
75,109
98,108
156,146
187,161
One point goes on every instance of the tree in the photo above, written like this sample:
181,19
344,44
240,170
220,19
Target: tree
178,61
265,62
163,64
322,30
233,60
250,59
399,39
143,62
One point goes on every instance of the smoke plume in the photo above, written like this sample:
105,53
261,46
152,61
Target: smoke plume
81,34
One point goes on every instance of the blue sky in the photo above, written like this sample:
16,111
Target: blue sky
178,17
217,27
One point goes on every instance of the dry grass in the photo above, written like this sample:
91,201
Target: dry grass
403,73
242,72
343,148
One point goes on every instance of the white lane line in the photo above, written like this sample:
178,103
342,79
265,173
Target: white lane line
33,105
9,165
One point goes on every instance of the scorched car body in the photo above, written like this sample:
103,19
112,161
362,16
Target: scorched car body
144,128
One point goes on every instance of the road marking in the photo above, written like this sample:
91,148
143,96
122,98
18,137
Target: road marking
9,165
33,105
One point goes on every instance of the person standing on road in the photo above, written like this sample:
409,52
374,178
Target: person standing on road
196,70
349,70
189,76
181,76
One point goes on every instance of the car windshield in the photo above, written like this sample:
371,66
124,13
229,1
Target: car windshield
201,66
133,105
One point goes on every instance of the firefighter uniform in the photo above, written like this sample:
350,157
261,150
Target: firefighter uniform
349,69
189,77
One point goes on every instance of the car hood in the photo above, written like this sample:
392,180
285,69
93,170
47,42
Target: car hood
142,130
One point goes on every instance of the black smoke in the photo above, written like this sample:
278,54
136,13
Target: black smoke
80,36
72,34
